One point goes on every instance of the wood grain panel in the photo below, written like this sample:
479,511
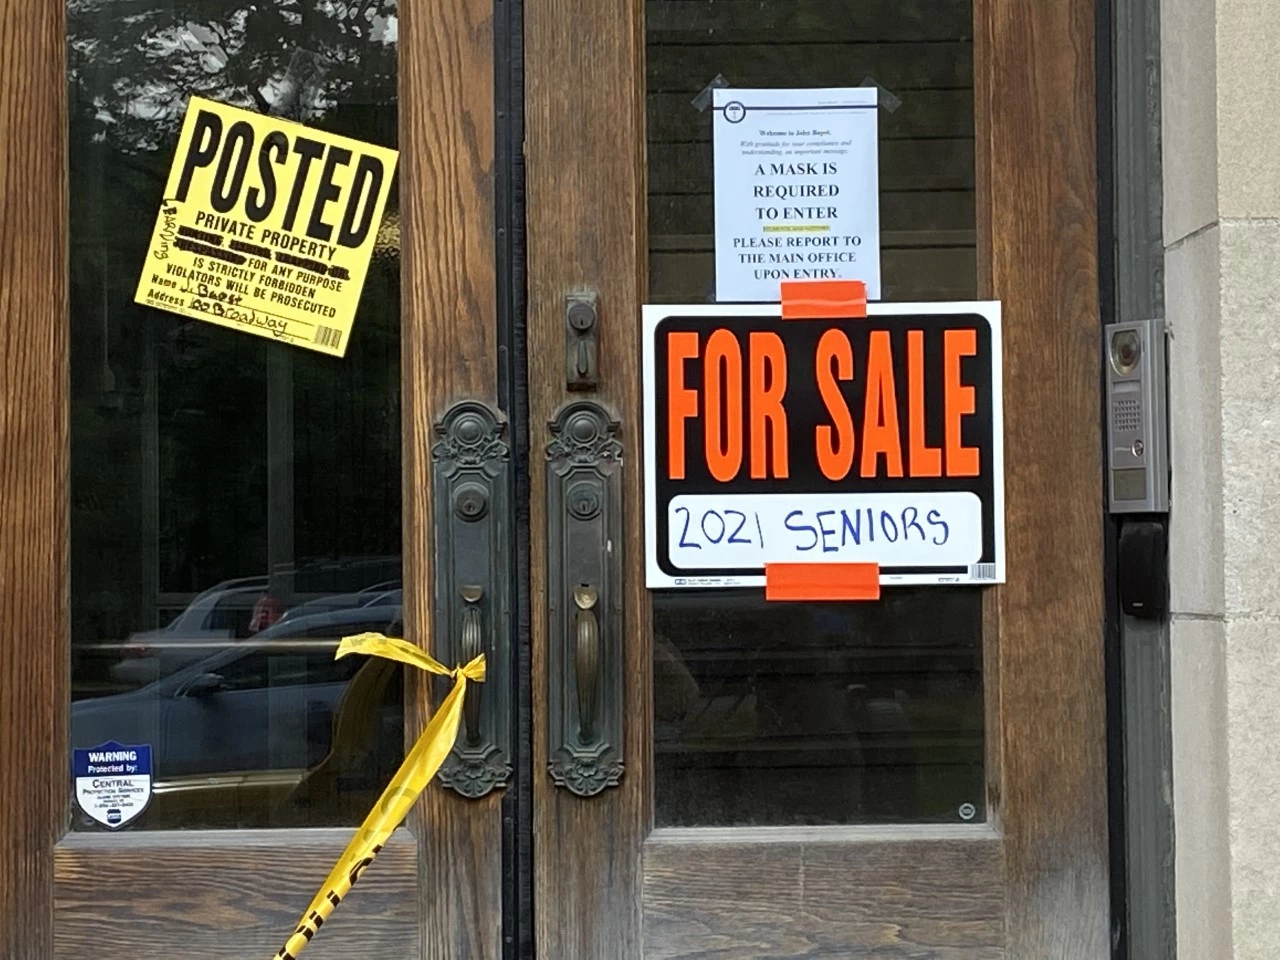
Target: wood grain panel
215,895
33,469
446,202
927,894
923,113
899,66
584,149
1039,233
711,22
450,351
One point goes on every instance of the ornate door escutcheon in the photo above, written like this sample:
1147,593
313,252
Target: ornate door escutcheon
471,493
584,606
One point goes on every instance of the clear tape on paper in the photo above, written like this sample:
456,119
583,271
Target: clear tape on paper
703,99
420,765
885,97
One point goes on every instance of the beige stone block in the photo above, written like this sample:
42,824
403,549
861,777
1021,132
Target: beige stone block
1250,349
1189,122
1248,89
1253,717
1202,862
1195,426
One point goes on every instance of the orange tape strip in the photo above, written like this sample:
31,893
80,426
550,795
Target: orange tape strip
823,299
822,581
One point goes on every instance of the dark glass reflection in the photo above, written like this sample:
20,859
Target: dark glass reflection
235,502
822,713
805,714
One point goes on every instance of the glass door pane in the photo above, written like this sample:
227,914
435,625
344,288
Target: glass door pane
235,501
791,714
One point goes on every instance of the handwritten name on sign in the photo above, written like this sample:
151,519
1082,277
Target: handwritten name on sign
867,440
267,226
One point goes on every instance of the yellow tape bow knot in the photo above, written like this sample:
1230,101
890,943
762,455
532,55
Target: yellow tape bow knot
420,765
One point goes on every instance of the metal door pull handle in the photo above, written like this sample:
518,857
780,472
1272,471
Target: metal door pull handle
587,659
473,501
585,616
472,647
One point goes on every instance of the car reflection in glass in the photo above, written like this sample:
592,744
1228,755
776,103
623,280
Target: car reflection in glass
221,614
274,722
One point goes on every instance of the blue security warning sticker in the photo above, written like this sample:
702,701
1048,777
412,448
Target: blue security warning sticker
113,781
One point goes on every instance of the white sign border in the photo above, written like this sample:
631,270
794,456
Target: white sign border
653,314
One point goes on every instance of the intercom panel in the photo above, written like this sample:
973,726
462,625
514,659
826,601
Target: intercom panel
1137,431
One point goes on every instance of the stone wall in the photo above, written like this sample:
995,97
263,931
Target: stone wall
1221,96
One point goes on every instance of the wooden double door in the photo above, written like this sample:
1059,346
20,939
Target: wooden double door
919,777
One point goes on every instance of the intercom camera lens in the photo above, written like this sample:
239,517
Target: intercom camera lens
1126,348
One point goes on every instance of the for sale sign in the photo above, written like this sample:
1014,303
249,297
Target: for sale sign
873,439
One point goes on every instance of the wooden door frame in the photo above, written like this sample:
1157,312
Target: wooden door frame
1046,840
585,190
1038,252
252,884
33,469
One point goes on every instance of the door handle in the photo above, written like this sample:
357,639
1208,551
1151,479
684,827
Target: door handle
585,544
472,647
471,495
587,658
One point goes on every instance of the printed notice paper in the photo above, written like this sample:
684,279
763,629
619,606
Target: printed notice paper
797,190
267,226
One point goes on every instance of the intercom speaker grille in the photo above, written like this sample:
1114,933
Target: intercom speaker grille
1126,414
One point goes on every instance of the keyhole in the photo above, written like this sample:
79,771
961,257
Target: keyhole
471,503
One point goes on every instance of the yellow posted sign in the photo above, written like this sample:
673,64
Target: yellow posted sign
267,226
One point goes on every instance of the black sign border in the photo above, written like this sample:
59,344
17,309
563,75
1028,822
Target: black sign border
989,487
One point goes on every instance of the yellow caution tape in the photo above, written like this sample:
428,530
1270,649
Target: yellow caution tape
408,783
